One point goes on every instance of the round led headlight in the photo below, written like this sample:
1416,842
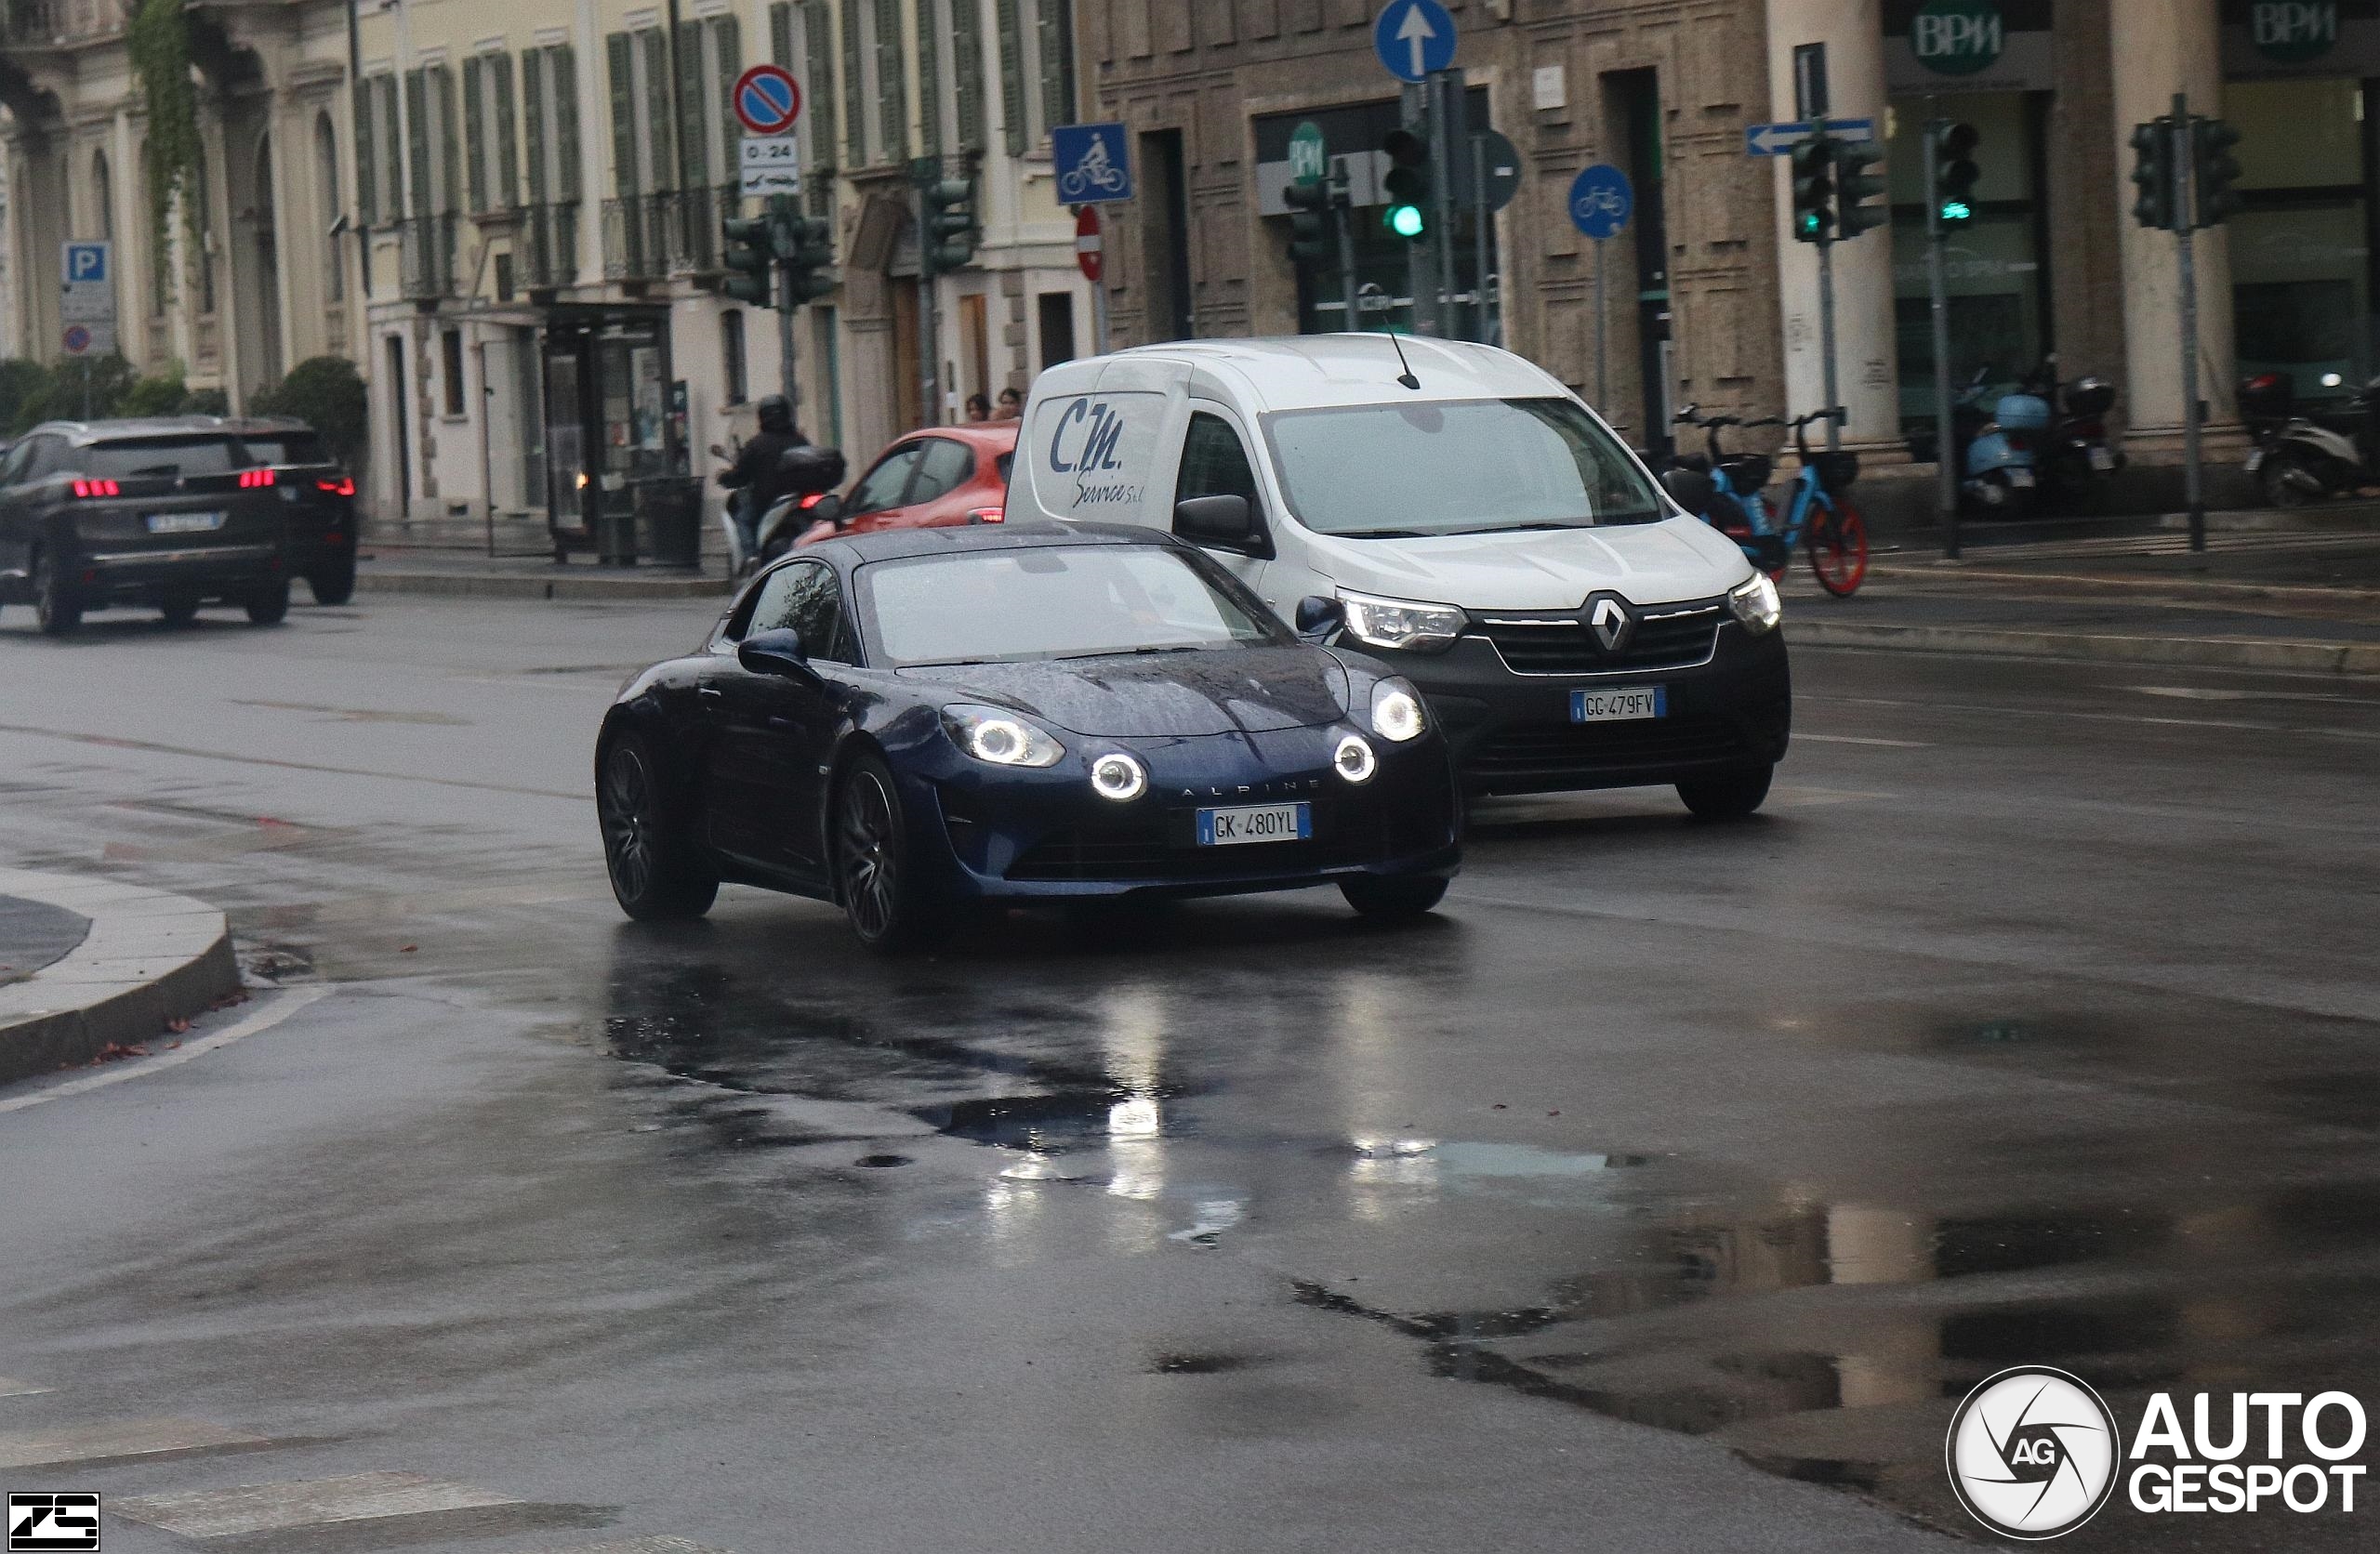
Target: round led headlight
1118,777
1396,712
1000,738
1354,759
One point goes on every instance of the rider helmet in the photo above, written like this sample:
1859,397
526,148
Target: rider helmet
776,415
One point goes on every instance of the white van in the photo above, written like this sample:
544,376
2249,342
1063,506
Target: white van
1453,511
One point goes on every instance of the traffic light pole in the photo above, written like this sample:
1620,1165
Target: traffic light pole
786,304
2193,483
1826,338
1444,93
1343,222
1946,453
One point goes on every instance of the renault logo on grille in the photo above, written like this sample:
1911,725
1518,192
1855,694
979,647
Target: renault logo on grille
1611,623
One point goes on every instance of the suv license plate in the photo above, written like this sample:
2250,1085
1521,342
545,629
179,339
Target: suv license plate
183,523
1243,824
2255,460
1621,703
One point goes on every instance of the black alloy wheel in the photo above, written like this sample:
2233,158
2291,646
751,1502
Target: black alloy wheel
873,877
57,608
1728,794
645,848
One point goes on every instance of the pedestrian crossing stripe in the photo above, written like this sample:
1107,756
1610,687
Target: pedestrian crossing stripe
124,1441
252,1508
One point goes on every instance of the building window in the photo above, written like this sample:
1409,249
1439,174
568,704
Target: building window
378,191
1037,71
2301,252
491,151
858,78
710,56
549,94
434,141
1057,328
643,150
450,369
827,414
327,208
731,356
202,223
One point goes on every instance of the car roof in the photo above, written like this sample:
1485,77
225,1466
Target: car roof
998,436
1301,371
886,544
82,433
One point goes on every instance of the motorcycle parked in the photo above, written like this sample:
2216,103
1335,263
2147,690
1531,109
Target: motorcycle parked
2079,468
2305,457
2000,471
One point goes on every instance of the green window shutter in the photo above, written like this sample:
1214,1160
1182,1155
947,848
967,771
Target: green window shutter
694,148
1057,50
656,45
367,191
533,105
929,78
474,132
967,71
855,85
507,145
892,80
392,194
565,112
727,35
818,55
781,34
449,142
417,140
624,172
1013,76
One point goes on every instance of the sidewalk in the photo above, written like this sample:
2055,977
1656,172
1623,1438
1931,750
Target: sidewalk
460,575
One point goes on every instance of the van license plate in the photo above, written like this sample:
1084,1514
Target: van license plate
1243,824
183,523
1620,704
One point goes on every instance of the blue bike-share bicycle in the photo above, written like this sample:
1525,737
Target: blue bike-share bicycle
1725,489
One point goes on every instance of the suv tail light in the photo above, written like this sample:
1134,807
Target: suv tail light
343,486
251,479
98,488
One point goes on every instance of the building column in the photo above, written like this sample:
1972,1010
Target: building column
1867,373
2160,48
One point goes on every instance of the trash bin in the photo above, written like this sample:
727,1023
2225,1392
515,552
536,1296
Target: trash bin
669,520
614,534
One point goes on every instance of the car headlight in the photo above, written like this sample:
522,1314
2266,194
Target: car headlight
1000,738
1396,711
1354,759
1755,604
1401,622
1118,777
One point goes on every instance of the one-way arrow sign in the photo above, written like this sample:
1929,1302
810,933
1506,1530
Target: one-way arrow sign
1413,38
1777,139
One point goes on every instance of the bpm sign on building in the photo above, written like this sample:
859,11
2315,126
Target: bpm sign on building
1968,46
87,299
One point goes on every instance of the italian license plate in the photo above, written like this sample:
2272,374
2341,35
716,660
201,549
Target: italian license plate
183,523
2103,458
2255,460
1620,704
1242,823
2019,480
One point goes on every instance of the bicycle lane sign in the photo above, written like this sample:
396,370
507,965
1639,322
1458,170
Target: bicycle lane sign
1091,163
1601,202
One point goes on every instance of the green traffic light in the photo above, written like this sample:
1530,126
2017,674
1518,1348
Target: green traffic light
1811,224
1405,220
1956,210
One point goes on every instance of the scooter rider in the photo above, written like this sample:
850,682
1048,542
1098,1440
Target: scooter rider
756,473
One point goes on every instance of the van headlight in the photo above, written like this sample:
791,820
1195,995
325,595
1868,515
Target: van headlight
1401,622
1755,604
1396,711
1000,738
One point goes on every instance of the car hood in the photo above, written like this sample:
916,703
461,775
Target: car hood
1540,569
1159,695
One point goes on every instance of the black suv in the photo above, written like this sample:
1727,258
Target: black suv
170,512
319,495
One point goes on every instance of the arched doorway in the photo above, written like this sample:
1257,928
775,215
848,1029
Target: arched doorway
268,365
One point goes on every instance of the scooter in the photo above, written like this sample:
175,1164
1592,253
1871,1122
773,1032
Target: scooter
1999,473
2079,470
814,472
2301,458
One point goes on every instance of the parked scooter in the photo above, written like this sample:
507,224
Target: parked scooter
2078,467
2305,457
1999,472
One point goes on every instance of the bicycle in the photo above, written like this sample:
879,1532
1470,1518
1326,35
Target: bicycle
1094,171
1818,516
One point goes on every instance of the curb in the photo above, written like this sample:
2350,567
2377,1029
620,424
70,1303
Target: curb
149,956
466,585
2228,652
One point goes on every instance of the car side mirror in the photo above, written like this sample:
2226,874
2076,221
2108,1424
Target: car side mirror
1215,520
1319,615
776,653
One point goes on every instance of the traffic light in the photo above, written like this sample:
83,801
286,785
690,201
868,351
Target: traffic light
1309,221
806,246
1814,190
1955,176
2214,170
1408,183
948,240
1856,181
747,259
2152,173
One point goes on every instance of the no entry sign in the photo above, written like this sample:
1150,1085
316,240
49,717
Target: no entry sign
1086,242
768,100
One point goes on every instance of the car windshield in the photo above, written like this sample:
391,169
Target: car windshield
283,447
148,456
1474,467
1051,601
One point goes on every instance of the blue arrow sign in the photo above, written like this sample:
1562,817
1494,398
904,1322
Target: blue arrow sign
1601,201
1780,140
1413,38
1091,163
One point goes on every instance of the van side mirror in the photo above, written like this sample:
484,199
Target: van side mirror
1215,520
1319,615
776,653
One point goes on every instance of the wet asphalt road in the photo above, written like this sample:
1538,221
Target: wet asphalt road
1672,1167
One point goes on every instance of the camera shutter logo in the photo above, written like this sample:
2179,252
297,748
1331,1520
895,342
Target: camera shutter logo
53,1523
2032,1453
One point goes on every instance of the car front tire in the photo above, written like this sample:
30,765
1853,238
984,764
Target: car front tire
1391,900
1729,795
56,606
655,874
875,878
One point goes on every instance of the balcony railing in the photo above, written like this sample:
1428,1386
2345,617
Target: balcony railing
545,245
426,256
673,232
36,23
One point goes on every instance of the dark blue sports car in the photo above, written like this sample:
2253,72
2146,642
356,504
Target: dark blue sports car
909,721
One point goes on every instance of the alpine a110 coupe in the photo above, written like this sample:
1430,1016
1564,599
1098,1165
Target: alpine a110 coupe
909,722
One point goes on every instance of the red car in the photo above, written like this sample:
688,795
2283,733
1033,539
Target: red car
929,479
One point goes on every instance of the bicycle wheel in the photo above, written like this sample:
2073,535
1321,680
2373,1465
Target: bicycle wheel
1839,549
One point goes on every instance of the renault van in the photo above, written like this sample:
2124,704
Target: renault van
1454,510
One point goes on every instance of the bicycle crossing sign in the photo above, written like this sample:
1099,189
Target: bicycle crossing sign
1092,164
1601,201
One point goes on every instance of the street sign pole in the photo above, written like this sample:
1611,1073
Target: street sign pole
1946,481
1343,218
1826,339
1445,99
1419,257
929,347
2193,486
1479,215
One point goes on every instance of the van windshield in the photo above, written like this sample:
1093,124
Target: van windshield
1472,467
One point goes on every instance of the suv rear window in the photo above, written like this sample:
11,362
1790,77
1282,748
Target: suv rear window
147,456
283,447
